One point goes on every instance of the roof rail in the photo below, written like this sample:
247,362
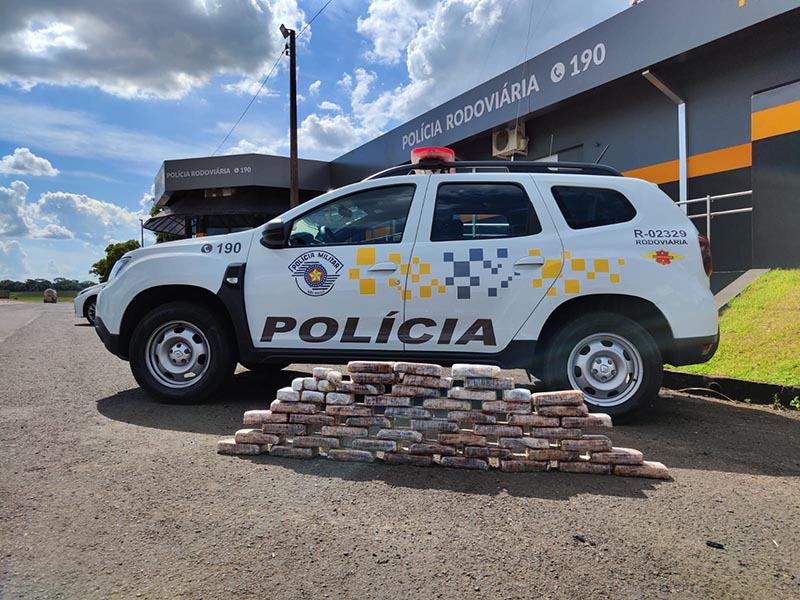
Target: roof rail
494,166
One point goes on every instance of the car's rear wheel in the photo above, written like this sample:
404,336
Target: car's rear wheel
612,359
182,353
90,310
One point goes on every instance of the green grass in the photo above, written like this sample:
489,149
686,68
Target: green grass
39,296
760,333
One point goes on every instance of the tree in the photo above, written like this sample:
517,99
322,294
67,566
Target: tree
37,285
102,268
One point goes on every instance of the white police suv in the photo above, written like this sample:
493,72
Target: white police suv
589,279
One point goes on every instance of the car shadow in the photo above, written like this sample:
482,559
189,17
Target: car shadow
221,416
683,432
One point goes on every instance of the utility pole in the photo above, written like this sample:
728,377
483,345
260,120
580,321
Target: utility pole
294,194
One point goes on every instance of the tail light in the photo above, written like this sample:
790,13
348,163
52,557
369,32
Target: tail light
705,252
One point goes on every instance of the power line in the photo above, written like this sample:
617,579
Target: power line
264,82
249,104
319,12
527,41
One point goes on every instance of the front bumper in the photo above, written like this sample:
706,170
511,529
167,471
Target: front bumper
110,340
692,351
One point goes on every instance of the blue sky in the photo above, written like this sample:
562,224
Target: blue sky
96,94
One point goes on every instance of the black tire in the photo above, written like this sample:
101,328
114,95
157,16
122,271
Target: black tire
90,309
612,359
182,353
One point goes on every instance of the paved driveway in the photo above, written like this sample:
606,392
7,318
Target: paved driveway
107,494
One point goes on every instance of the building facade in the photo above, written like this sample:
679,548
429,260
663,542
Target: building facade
701,98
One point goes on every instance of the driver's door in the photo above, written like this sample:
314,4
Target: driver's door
338,284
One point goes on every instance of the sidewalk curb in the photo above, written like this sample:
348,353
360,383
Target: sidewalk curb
736,389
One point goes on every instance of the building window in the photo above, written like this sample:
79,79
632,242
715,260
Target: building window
585,207
376,216
466,211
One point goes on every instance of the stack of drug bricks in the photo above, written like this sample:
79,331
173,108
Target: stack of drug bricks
411,414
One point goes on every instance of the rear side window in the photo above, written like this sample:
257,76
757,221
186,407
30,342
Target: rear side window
466,211
585,207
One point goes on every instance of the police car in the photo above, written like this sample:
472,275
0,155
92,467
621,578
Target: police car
588,279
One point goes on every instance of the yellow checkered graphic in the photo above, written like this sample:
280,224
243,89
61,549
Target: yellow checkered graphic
577,270
414,273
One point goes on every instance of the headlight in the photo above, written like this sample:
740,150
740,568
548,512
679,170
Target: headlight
118,266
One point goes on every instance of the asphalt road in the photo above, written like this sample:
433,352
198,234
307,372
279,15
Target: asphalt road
107,494
16,315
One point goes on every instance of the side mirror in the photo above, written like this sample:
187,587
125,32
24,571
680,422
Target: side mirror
274,235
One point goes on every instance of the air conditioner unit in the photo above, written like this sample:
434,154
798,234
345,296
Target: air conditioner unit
509,141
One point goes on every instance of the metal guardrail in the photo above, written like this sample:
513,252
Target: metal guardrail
709,200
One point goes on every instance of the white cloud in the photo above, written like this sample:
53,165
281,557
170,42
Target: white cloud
245,146
13,261
83,217
391,25
249,86
325,105
329,132
313,89
147,48
53,231
256,138
25,162
14,219
62,216
57,36
146,201
76,133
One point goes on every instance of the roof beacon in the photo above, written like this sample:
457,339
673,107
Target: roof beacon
433,158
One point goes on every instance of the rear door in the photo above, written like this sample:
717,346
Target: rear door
486,254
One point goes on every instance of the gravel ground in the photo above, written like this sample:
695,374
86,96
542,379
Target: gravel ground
106,494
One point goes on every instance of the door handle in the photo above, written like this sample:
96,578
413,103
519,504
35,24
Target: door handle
529,261
384,266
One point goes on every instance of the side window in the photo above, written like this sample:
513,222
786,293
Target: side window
375,216
585,207
465,211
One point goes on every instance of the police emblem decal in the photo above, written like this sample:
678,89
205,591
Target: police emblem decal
315,275
316,272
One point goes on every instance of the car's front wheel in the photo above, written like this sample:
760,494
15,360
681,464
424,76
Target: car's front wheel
182,353
612,359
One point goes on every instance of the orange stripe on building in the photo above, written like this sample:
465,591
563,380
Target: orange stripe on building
658,174
764,124
776,121
726,159
716,161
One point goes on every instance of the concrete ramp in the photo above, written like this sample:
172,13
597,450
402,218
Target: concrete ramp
735,288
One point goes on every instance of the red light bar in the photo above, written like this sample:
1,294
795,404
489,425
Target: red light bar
443,154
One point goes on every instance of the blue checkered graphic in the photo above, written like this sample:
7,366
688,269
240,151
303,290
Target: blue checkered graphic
469,275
